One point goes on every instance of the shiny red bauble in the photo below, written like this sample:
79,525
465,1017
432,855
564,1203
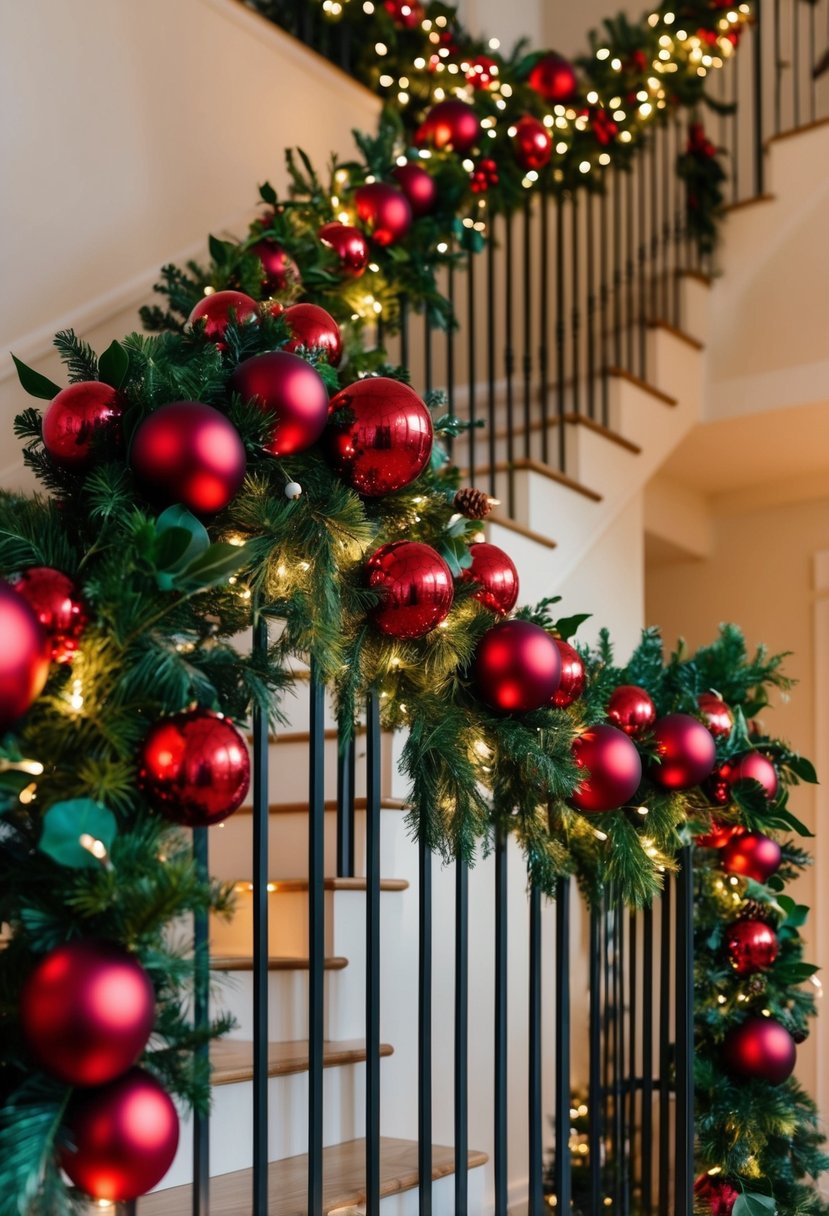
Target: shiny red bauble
632,709
77,418
279,270
384,211
517,667
415,586
716,1194
419,187
751,855
25,652
381,436
124,1137
573,675
751,766
58,605
752,945
554,79
531,145
216,311
194,768
349,244
686,751
313,327
716,714
494,571
87,1012
291,392
759,1049
614,767
190,453
481,71
405,13
450,124
718,835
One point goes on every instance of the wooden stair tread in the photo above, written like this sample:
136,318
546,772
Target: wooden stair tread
344,1167
520,530
232,1059
621,373
688,339
244,962
285,886
526,465
573,419
801,130
748,202
300,808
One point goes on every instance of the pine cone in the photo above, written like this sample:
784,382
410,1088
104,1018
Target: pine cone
753,909
474,504
756,986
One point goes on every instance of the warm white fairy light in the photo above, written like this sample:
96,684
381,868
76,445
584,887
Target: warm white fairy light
96,847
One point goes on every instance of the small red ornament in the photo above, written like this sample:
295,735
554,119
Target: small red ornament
495,571
631,709
614,765
217,310
194,768
751,855
124,1137
406,13
384,211
716,1194
279,270
451,124
292,392
716,714
87,1012
752,946
189,452
58,605
604,128
517,667
554,79
573,675
531,145
752,766
350,246
759,1049
419,187
416,587
484,175
25,651
686,750
311,327
77,418
718,835
380,438
481,72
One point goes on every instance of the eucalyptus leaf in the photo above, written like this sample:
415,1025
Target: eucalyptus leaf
33,383
754,1205
213,566
66,824
113,365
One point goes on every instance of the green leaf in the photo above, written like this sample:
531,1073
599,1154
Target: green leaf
754,1205
179,517
33,383
568,625
113,365
220,251
267,193
66,823
802,768
213,566
795,973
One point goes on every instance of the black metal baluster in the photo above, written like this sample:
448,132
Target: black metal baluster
450,351
665,1051
346,765
617,268
590,243
544,327
630,275
201,1018
684,1198
643,255
604,303
490,359
509,365
461,1037
373,803
668,176
679,225
424,1025
472,377
501,981
654,252
795,60
560,330
647,1062
563,1166
403,304
619,1078
260,936
757,46
630,1174
575,310
736,117
608,1121
812,64
316,937
427,355
527,358
778,71
594,1095
536,1145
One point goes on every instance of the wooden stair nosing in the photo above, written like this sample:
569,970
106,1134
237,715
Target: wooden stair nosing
527,465
244,962
299,808
621,373
573,419
289,886
232,1059
803,129
688,339
742,203
687,272
520,530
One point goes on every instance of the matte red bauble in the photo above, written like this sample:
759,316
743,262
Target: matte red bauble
495,571
532,145
349,244
217,310
614,766
419,187
384,211
517,667
716,1194
554,79
716,714
631,709
87,1012
719,834
759,1049
752,946
291,392
415,585
573,675
279,270
380,438
313,327
124,1137
450,124
481,71
751,766
406,13
686,750
752,855
194,768
25,651
76,418
188,452
58,605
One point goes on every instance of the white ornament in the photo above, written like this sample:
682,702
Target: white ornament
293,489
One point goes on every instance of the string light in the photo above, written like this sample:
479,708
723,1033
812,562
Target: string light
96,847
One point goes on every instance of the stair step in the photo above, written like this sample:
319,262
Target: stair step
512,525
244,962
572,419
344,1168
301,808
232,1059
284,886
677,333
622,374
523,465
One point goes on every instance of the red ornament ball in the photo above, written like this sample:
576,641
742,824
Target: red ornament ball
759,1049
495,571
686,750
716,714
124,1137
573,675
279,270
405,13
380,438
631,709
554,79
189,452
87,1012
531,145
416,589
350,246
291,392
752,946
517,667
719,834
58,605
751,766
717,1194
217,310
313,327
450,124
384,211
751,855
419,187
25,651
481,71
77,418
194,768
614,766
